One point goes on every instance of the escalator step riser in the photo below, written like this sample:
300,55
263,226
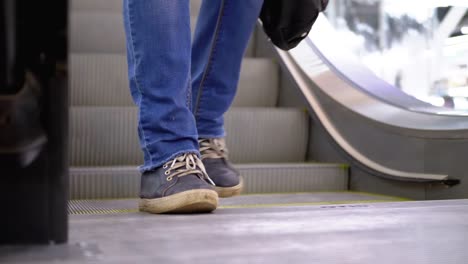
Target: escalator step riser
101,80
123,182
115,6
107,136
88,28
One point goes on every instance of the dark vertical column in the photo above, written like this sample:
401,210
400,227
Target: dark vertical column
7,44
33,121
57,166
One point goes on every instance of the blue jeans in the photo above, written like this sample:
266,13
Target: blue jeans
182,89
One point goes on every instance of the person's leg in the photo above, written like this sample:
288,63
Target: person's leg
223,30
220,40
159,58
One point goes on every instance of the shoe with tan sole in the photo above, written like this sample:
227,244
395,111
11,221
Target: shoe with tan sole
180,186
215,159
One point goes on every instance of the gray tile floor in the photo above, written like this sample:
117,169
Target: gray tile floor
398,232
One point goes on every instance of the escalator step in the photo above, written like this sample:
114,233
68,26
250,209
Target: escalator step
107,136
123,182
256,135
116,6
96,5
97,32
100,32
103,32
101,80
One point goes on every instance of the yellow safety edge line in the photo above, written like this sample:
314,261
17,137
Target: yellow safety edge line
396,198
345,202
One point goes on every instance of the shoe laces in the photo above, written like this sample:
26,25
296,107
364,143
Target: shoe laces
186,164
213,148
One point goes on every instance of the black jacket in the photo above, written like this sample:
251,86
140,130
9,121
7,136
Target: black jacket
288,22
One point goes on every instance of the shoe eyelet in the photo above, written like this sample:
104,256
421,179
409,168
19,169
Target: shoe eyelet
169,178
166,172
165,166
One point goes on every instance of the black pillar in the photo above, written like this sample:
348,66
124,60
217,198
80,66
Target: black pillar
33,121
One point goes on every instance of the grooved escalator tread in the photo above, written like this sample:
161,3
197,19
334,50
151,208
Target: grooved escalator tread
103,32
123,182
101,80
107,136
116,6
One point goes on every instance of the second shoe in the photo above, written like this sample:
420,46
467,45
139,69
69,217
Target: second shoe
214,157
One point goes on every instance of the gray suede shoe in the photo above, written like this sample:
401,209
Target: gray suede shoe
214,156
180,186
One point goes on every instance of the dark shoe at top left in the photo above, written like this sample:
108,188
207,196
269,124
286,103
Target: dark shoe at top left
215,159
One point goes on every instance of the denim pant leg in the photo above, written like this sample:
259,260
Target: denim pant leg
159,64
220,40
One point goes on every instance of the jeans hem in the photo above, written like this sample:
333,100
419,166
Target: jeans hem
207,136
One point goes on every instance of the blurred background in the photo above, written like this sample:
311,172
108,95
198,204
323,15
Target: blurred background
419,46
